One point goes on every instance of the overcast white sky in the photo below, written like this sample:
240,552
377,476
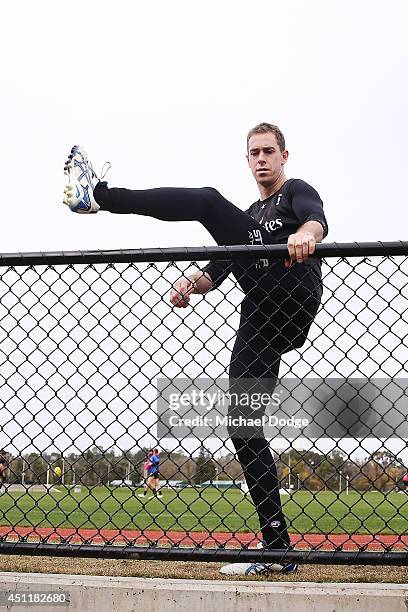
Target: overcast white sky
167,91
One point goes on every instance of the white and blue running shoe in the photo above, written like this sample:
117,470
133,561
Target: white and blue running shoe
78,193
257,569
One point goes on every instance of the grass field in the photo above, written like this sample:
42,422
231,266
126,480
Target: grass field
207,510
187,570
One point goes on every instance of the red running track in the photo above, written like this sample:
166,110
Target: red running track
203,538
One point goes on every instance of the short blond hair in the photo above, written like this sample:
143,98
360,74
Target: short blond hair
263,128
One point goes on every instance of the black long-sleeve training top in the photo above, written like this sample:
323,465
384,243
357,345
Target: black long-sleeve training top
281,215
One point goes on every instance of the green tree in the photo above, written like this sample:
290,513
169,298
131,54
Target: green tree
205,468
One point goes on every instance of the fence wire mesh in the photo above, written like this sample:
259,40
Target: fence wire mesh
85,340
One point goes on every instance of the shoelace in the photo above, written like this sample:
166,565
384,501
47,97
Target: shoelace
260,569
104,171
265,569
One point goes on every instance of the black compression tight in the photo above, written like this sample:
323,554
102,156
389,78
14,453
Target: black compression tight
226,223
247,374
276,313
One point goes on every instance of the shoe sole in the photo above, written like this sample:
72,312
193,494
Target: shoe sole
69,188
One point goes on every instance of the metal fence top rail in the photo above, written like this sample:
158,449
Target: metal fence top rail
181,553
333,249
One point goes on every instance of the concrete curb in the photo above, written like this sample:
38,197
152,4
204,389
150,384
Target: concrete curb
113,594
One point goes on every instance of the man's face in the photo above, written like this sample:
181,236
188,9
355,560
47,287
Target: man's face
265,158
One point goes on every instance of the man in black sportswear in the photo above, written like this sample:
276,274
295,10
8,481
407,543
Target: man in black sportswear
281,297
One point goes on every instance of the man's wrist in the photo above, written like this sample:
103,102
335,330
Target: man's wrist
201,281
312,228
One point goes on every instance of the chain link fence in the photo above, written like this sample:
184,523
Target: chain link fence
88,341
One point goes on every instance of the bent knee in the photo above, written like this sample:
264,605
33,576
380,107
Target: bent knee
211,194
